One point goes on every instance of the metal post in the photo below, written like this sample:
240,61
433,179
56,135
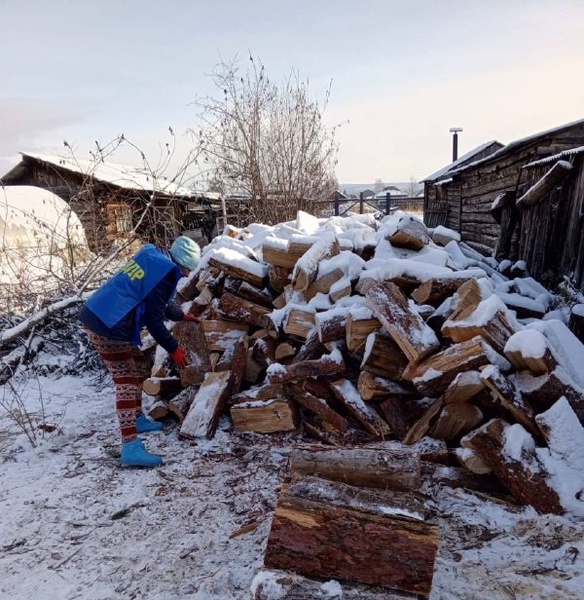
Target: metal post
361,203
387,203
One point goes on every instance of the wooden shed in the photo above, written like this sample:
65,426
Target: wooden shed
111,200
522,201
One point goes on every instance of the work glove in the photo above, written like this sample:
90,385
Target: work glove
179,357
189,317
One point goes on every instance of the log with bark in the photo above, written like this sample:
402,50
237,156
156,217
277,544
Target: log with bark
319,539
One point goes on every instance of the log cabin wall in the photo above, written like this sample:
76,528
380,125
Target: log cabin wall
550,233
107,212
548,238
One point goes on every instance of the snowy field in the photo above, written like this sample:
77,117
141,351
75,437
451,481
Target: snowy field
77,526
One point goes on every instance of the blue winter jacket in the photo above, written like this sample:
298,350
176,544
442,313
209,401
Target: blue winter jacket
137,296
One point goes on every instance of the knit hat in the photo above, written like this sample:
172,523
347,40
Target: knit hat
185,252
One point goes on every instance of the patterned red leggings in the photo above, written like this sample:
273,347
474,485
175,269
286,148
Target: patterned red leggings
128,368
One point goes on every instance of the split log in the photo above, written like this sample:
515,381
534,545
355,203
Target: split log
191,337
456,420
179,406
318,406
279,278
407,328
467,298
306,267
265,416
322,285
383,356
264,351
158,410
541,392
313,427
330,325
518,467
203,416
422,426
373,388
221,335
464,386
346,393
536,193
359,325
364,467
510,398
528,349
280,254
243,311
234,361
329,364
258,393
469,459
236,265
433,375
161,386
317,539
252,294
410,233
341,289
284,351
491,319
162,364
299,322
435,291
402,414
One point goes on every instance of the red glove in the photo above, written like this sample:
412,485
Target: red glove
180,358
189,317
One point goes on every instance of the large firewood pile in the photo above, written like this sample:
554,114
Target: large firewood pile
354,331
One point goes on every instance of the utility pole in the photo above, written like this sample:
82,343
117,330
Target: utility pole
455,131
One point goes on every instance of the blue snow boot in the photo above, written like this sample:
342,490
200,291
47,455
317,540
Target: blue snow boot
135,455
145,425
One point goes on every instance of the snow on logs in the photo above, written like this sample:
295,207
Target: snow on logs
350,331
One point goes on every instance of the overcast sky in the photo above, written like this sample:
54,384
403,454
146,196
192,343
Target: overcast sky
403,71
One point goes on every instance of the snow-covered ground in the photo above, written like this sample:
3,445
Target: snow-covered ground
76,525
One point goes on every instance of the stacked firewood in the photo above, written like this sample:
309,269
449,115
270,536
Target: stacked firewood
355,330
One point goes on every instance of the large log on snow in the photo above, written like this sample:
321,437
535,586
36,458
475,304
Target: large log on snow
191,337
203,416
319,539
510,451
406,327
433,375
365,467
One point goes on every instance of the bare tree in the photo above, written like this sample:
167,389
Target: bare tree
413,187
266,142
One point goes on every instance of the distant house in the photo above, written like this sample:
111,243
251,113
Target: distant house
111,200
519,201
368,194
392,190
